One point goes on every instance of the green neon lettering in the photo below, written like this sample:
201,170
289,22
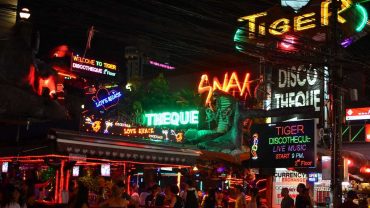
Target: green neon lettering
149,118
172,118
365,17
165,118
194,117
184,118
175,118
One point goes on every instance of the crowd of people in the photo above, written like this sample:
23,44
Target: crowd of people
22,195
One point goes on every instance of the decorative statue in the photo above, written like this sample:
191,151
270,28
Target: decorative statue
224,112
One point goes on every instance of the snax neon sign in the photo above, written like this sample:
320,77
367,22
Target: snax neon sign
301,22
172,118
231,84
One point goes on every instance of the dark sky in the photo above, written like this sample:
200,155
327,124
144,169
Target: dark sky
197,34
194,33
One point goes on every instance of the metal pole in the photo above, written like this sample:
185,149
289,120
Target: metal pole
335,71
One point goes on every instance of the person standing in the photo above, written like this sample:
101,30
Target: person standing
287,201
175,200
351,195
11,197
156,198
135,198
82,197
303,199
240,201
116,200
191,196
254,202
209,201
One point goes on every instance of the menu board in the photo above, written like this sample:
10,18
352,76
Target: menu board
283,145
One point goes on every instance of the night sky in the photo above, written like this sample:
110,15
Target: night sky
197,35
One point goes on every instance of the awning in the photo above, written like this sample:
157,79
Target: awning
117,148
357,151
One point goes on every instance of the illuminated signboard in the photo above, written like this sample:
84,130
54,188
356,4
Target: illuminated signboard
105,98
81,64
367,132
296,87
118,128
357,114
289,179
172,118
232,85
164,66
309,20
283,145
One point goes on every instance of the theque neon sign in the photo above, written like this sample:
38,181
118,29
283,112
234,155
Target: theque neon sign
302,22
172,118
230,84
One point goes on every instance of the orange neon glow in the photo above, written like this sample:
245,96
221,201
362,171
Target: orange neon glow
31,77
61,186
113,162
67,180
229,85
128,184
67,75
49,83
56,194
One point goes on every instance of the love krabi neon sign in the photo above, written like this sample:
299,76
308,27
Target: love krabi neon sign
106,99
231,85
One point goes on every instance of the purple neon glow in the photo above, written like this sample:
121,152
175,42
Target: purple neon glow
165,66
220,169
346,42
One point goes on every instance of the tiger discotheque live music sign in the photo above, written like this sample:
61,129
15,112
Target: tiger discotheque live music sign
283,145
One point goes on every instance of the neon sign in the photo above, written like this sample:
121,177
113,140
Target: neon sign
164,66
352,17
94,66
105,98
283,145
229,85
172,118
119,128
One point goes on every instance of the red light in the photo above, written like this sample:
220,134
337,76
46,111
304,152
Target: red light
367,132
349,162
365,170
287,44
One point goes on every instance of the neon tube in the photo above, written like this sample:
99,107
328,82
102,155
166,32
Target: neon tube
178,179
56,193
365,17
